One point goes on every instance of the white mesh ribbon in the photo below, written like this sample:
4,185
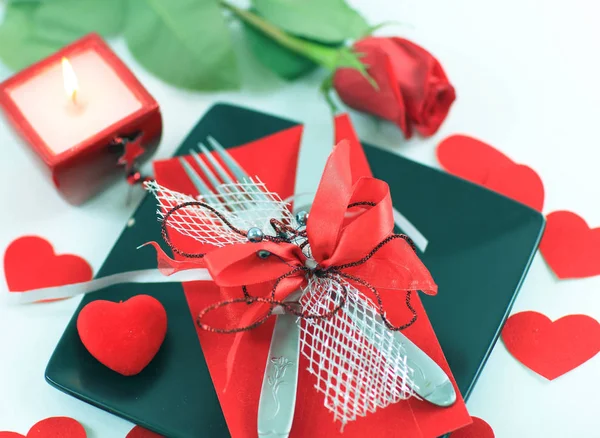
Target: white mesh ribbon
243,204
358,363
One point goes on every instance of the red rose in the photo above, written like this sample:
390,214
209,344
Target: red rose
413,88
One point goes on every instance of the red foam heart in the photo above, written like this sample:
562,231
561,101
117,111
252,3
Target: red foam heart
53,427
570,246
477,429
123,336
551,349
518,182
469,158
140,432
30,263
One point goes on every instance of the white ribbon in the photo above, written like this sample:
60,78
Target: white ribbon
71,290
411,231
155,276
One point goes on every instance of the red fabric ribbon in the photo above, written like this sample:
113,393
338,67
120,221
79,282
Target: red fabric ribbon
350,232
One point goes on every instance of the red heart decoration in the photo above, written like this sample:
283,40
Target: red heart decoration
570,246
477,429
551,349
123,336
53,427
482,164
140,432
30,263
469,158
518,182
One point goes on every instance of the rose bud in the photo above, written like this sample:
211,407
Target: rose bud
413,89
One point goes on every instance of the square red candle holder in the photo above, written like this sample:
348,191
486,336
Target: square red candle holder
80,141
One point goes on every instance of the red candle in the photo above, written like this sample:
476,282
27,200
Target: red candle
80,110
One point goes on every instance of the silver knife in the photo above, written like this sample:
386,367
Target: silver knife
276,407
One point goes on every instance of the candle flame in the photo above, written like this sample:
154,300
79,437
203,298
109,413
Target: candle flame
70,80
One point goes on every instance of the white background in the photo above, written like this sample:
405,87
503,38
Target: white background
527,74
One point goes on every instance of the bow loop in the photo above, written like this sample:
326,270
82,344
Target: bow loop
367,222
347,220
329,208
395,266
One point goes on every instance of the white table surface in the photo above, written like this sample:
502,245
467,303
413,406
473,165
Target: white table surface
526,74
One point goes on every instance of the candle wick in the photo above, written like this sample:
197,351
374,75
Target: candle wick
74,97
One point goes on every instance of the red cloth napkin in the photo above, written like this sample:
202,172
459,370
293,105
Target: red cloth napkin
274,159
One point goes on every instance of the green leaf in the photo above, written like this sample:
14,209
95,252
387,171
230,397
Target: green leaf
331,21
277,58
184,42
64,21
19,47
33,30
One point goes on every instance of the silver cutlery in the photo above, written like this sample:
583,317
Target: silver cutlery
278,394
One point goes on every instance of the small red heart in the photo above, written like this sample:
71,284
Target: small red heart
482,164
123,336
570,246
30,263
53,427
551,349
140,432
469,158
518,182
477,429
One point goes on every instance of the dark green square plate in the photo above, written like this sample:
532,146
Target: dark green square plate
480,248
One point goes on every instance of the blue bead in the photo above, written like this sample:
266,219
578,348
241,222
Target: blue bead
255,235
302,217
263,254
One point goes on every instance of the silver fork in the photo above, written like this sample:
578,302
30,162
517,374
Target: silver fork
278,394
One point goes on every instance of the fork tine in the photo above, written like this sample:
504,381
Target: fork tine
209,173
195,178
237,170
233,165
216,165
235,190
227,193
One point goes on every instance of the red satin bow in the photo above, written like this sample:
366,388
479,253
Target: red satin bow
350,232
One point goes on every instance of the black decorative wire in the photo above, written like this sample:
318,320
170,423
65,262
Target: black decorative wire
286,233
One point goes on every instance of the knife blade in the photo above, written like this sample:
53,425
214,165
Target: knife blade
318,139
431,381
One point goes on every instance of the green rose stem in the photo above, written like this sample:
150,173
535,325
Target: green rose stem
328,57
320,54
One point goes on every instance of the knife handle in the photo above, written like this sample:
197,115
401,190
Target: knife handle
280,381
